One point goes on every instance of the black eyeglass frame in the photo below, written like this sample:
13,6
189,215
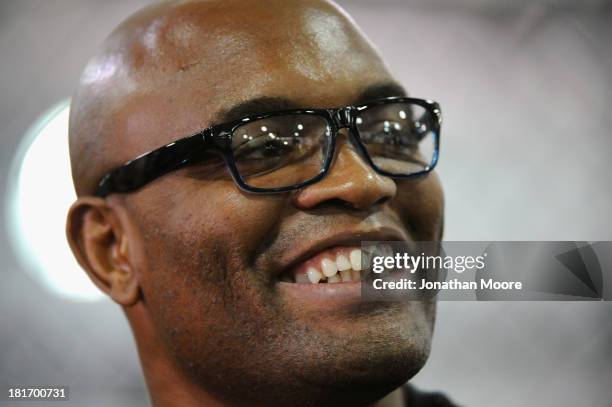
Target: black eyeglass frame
149,166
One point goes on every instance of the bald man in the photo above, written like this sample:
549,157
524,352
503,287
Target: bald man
229,157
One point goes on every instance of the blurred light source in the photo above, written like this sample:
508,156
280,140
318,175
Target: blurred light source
39,195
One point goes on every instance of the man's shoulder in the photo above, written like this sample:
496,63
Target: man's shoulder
418,398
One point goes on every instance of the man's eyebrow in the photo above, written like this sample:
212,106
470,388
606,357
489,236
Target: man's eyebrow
266,104
257,106
380,91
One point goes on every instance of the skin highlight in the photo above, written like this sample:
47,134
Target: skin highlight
191,258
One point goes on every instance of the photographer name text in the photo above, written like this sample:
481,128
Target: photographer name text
454,284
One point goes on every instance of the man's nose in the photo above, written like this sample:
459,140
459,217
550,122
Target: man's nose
350,180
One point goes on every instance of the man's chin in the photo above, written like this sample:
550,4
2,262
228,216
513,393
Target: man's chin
365,377
366,345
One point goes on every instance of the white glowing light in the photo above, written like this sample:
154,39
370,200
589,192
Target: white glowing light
39,195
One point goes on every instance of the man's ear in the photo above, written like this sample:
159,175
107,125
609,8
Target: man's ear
100,245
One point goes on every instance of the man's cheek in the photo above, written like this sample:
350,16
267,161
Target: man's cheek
420,205
203,263
184,290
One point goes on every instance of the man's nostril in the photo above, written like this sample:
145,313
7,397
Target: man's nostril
381,201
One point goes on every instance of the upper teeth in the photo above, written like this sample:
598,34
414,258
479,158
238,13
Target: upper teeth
356,259
342,262
329,267
345,267
314,275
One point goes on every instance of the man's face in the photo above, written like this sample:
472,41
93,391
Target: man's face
215,264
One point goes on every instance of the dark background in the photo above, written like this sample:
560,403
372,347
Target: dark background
526,92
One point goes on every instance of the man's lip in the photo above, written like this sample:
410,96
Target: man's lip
322,298
345,238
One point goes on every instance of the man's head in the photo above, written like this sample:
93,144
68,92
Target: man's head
198,263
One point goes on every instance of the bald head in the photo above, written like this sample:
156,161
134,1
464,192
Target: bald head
172,68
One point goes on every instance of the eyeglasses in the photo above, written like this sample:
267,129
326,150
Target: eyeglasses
398,137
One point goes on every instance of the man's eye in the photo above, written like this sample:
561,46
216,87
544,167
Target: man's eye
389,133
266,147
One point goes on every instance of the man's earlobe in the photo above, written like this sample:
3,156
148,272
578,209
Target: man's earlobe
99,243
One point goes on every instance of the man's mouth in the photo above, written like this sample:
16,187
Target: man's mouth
329,273
336,260
335,265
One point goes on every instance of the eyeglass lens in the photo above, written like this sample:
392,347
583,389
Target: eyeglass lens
285,150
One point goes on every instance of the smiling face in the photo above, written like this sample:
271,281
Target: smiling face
218,270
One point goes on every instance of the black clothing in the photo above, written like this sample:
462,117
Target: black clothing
417,398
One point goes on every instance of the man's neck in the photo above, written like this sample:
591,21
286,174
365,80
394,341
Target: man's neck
167,385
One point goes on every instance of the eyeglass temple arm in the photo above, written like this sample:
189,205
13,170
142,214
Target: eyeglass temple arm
149,166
